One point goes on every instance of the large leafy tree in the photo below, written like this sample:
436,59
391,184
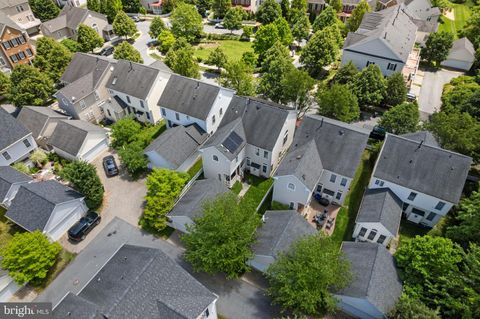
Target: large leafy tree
284,31
401,119
410,308
163,188
357,15
471,280
220,8
166,40
131,6
308,289
123,25
322,49
203,6
326,18
457,131
437,47
4,84
181,60
28,257
346,73
269,11
233,18
300,25
265,38
297,86
133,158
186,22
467,226
71,45
111,8
221,239
336,4
156,27
471,29
126,51
369,86
239,76
124,131
396,89
462,94
29,86
93,5
52,58
88,38
338,102
44,9
83,176
218,58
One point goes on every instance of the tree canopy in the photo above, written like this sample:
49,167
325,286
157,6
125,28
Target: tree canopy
471,29
44,9
467,226
132,157
239,76
437,47
326,18
166,40
181,60
132,6
268,11
300,26
369,86
71,45
124,131
284,31
29,86
85,180
233,18
52,58
220,8
217,57
220,239
88,38
126,51
186,22
357,15
346,73
396,89
401,119
462,94
156,27
297,86
124,26
321,50
307,289
265,38
110,8
409,308
338,102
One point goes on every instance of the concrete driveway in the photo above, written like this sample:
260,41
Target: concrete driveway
429,100
124,198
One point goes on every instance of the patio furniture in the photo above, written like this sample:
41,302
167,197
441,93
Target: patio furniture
330,222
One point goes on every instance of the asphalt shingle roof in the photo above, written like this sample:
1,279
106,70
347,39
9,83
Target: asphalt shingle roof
70,135
462,49
381,205
8,177
177,144
423,168
375,275
133,79
34,203
424,136
140,282
190,205
279,231
70,17
11,130
83,64
76,307
189,96
34,118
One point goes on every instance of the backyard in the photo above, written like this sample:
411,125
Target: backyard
461,12
233,49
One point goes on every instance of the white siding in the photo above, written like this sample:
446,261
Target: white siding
251,153
336,186
222,101
282,194
63,217
8,288
380,230
18,151
154,95
11,194
281,148
360,60
93,145
222,167
157,161
183,119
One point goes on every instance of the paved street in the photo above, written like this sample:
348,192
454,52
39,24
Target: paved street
123,198
141,42
237,298
431,91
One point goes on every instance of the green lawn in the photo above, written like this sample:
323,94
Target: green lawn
237,187
345,221
462,13
257,190
232,48
6,230
195,168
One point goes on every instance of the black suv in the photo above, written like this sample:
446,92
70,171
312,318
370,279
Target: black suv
109,165
81,228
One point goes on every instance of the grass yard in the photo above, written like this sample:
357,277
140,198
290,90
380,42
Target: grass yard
232,48
237,187
195,168
257,190
462,13
346,217
410,230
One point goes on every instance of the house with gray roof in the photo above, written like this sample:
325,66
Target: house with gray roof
253,137
84,92
189,205
10,182
16,141
47,206
139,87
323,159
187,101
425,16
41,121
375,287
428,179
461,55
384,38
75,139
378,218
20,13
137,275
279,230
176,148
65,25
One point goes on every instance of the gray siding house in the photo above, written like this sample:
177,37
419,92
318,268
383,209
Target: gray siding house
10,182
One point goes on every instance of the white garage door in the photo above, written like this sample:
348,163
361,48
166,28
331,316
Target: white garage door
65,224
95,151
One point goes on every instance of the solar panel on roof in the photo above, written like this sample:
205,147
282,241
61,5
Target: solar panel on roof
232,142
237,139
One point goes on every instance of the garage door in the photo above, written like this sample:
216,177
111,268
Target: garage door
95,151
65,224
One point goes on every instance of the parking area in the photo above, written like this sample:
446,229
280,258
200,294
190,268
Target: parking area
124,198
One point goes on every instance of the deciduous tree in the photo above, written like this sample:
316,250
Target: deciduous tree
284,31
396,89
297,86
300,26
462,94
409,308
337,5
203,6
233,19
401,119
220,8
29,86
93,5
269,11
326,18
52,58
471,29
4,84
239,76
437,47
126,51
111,8
186,22
265,38
346,73
166,40
88,38
369,86
44,9
83,177
357,15
133,158
250,59
71,45
124,26
467,226
124,131
156,27
181,60
338,102
217,58
322,50
131,6
38,157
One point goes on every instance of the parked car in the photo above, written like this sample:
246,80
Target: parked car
152,43
107,51
81,228
135,18
219,26
378,133
411,97
110,166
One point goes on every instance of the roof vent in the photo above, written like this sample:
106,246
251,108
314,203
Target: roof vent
452,168
198,85
410,161
299,157
341,132
73,99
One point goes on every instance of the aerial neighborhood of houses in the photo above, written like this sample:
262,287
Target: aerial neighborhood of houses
243,159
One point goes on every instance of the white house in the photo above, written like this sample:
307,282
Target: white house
323,159
384,38
461,55
138,282
189,206
253,137
177,148
426,178
375,287
279,230
188,101
75,139
16,142
47,206
10,182
139,87
378,218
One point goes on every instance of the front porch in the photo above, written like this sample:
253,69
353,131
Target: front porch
316,209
